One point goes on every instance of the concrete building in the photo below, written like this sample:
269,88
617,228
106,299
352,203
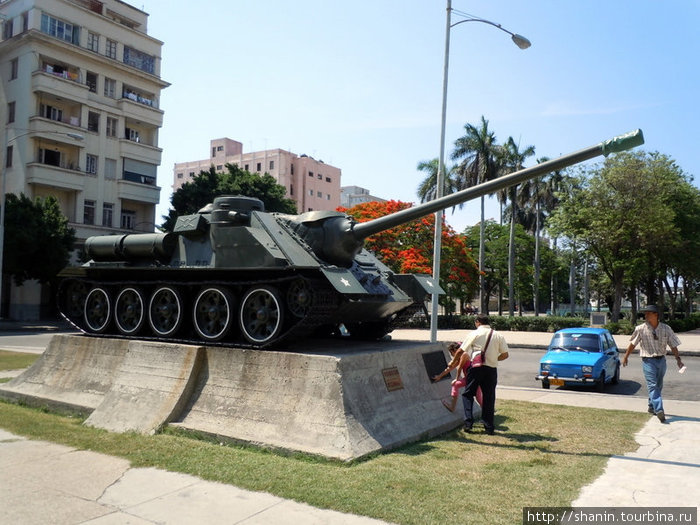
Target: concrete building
311,183
353,195
80,115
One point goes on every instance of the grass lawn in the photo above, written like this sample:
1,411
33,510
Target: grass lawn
16,360
542,456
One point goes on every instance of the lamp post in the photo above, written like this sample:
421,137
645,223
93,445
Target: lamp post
5,161
522,43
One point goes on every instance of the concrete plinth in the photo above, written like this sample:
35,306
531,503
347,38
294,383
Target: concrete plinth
333,398
73,373
152,385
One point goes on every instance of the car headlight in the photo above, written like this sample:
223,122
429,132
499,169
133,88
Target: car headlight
587,369
546,366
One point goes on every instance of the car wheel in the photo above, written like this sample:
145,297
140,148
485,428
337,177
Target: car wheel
600,384
545,384
616,377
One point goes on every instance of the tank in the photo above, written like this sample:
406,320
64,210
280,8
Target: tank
234,274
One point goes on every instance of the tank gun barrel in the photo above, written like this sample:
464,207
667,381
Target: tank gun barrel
624,142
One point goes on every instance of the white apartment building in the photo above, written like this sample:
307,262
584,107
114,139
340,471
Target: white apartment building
353,195
80,116
311,183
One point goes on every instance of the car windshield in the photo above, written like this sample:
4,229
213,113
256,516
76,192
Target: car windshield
574,341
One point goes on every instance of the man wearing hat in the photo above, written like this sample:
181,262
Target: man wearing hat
652,338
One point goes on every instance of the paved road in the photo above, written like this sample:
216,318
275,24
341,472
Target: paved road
519,370
522,366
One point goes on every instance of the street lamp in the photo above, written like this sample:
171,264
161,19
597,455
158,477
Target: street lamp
75,136
522,43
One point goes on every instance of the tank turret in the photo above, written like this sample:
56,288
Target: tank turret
234,274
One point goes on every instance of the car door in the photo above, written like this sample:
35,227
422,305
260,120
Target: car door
610,351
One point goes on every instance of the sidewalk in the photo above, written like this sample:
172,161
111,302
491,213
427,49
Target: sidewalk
69,486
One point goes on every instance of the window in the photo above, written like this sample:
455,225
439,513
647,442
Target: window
59,29
319,176
180,175
246,167
328,179
311,193
311,174
7,30
291,189
258,166
51,112
272,164
110,88
213,152
50,157
10,112
107,214
14,68
93,42
292,169
319,194
93,121
89,212
191,174
128,219
91,81
133,134
219,148
25,21
328,196
91,164
140,60
8,157
111,49
111,127
219,167
110,169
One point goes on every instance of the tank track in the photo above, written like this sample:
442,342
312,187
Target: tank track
323,304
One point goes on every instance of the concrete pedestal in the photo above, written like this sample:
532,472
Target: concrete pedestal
335,398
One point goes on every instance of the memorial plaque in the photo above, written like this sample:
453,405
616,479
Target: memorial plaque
435,363
392,379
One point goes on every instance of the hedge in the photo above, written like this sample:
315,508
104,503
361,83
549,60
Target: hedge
543,323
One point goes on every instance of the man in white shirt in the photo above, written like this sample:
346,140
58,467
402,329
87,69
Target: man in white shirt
652,337
485,348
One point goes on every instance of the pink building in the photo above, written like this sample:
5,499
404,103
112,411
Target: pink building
311,183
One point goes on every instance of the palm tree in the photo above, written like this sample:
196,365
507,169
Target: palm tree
427,190
532,198
514,160
477,152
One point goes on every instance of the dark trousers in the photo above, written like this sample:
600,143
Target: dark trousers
485,377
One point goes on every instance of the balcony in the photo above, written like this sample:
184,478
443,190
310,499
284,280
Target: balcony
136,191
58,85
55,176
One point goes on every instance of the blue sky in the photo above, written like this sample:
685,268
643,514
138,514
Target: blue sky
359,84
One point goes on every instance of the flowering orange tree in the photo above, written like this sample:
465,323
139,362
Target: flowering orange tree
408,248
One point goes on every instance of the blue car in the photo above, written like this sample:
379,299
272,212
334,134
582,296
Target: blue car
580,356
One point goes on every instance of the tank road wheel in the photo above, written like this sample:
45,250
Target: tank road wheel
213,313
261,316
299,297
74,294
130,311
97,310
165,311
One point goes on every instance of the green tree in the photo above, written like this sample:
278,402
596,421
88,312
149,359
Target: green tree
427,191
513,160
194,195
477,152
621,214
38,240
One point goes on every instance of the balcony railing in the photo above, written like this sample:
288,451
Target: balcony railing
140,99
